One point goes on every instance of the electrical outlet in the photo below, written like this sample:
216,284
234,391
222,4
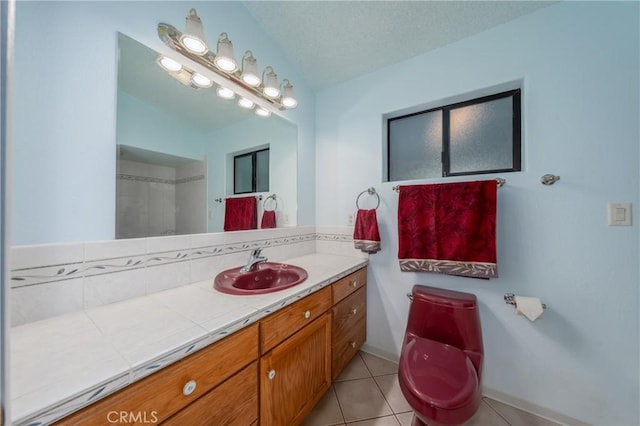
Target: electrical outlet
350,219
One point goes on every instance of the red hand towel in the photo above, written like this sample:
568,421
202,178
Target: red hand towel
448,228
240,214
268,219
365,234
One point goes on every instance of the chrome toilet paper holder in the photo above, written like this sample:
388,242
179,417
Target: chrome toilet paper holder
509,298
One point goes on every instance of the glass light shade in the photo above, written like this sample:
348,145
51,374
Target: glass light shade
245,103
250,69
225,93
169,64
193,37
288,96
201,81
263,112
224,57
270,83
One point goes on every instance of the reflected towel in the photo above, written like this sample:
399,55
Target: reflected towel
365,233
240,214
268,219
448,228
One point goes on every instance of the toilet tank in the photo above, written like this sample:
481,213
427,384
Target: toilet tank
449,317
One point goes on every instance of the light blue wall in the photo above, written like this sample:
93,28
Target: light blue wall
146,127
579,64
65,108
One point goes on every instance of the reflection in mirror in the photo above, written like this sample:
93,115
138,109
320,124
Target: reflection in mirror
160,117
159,194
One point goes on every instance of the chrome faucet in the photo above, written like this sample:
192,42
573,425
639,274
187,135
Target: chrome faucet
254,258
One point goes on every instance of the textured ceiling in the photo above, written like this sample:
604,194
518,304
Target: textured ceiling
334,41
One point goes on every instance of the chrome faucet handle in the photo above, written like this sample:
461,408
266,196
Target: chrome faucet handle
256,252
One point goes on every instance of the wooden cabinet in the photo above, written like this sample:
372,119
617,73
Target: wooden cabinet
295,374
349,328
159,396
290,357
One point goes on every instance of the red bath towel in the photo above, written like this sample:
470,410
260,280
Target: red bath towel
240,214
448,228
268,219
365,234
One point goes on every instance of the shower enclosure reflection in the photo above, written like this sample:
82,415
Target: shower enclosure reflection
159,194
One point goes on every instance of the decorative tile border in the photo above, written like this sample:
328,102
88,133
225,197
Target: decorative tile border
70,405
49,273
145,179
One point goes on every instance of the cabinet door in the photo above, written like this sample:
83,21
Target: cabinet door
295,374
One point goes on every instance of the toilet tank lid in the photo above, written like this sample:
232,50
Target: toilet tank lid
456,299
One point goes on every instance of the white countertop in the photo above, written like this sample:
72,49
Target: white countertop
63,363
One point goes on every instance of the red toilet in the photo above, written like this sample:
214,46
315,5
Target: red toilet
441,360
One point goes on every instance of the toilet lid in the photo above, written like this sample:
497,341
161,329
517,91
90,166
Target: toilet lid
439,374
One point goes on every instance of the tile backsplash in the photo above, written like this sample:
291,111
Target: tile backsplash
52,280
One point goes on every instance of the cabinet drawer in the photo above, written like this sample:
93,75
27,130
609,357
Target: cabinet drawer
234,402
349,284
348,312
282,324
345,348
161,394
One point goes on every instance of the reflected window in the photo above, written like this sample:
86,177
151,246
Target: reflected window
251,172
477,136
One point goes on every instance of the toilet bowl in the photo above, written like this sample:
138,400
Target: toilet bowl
441,360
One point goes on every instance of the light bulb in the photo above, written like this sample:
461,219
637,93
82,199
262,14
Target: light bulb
263,112
169,64
245,103
201,81
225,93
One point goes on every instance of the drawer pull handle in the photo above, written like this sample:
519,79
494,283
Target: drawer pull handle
307,314
189,387
354,311
354,283
271,374
353,344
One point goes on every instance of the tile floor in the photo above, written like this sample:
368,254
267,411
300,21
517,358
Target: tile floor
367,394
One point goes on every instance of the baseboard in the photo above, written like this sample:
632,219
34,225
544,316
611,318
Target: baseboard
531,408
380,353
523,405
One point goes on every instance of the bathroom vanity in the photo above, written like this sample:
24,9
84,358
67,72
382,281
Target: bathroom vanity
270,372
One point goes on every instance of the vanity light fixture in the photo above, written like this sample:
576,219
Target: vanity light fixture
250,69
270,83
264,92
288,97
224,58
193,37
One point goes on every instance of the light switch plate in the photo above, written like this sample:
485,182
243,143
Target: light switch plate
619,214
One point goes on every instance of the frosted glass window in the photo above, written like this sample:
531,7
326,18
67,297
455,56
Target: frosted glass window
477,136
262,171
243,174
417,143
251,172
481,137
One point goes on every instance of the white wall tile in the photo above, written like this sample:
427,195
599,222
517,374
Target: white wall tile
37,302
164,277
45,255
114,287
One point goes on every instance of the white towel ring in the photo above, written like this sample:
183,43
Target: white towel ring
275,200
370,191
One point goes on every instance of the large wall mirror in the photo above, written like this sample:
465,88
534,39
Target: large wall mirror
176,150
